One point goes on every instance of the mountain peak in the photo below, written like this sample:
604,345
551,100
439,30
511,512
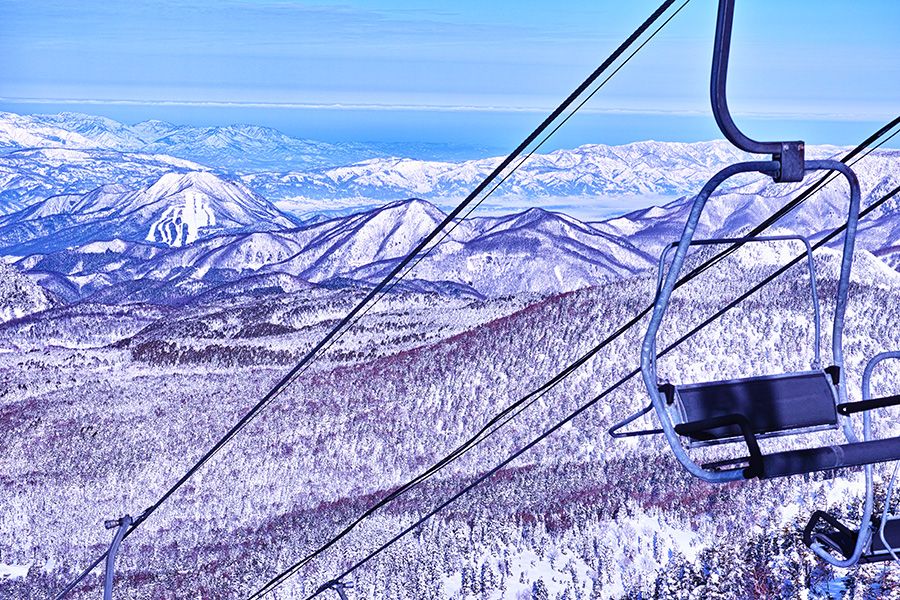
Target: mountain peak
174,182
176,210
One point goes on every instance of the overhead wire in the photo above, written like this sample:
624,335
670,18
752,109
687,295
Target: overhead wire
448,231
449,219
513,410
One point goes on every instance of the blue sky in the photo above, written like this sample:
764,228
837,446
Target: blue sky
825,71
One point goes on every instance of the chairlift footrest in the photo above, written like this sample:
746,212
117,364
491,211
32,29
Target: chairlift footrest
810,460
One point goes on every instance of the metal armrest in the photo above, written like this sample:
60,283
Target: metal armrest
756,463
816,518
849,408
614,430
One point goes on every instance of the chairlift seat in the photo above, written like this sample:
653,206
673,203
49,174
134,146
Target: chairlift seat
878,551
773,405
840,538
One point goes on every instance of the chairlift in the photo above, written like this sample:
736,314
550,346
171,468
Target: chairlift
878,537
748,409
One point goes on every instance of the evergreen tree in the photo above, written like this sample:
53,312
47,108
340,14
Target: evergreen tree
539,591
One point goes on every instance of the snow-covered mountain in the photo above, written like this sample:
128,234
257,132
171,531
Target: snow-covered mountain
649,169
30,176
738,208
26,131
535,251
228,148
101,403
310,179
45,155
532,252
177,209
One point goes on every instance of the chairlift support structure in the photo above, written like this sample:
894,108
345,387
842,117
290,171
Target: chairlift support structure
748,409
121,526
745,410
340,587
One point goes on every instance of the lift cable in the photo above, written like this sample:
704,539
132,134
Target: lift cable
584,407
513,410
450,218
422,255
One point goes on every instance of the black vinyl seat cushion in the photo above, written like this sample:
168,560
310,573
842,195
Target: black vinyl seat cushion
771,403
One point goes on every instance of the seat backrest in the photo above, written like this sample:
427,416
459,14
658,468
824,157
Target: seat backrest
773,404
892,533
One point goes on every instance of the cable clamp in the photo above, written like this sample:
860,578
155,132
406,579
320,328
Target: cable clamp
792,160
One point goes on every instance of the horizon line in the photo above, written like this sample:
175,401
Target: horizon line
450,108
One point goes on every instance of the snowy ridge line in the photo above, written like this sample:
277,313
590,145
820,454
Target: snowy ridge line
289,377
590,403
525,403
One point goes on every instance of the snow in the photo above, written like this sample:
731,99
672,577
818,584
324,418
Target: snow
406,382
104,246
180,225
524,569
176,210
14,571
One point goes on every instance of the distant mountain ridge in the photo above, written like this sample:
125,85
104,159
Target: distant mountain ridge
233,148
532,252
642,168
170,230
176,210
339,179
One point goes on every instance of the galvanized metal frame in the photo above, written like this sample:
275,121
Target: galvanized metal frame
867,395
811,265
789,155
615,432
648,348
886,516
864,537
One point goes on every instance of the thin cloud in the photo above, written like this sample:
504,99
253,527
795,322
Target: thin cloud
349,106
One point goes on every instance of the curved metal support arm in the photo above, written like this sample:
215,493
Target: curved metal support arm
648,348
790,155
721,51
865,531
123,524
843,291
615,432
867,395
870,368
885,516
